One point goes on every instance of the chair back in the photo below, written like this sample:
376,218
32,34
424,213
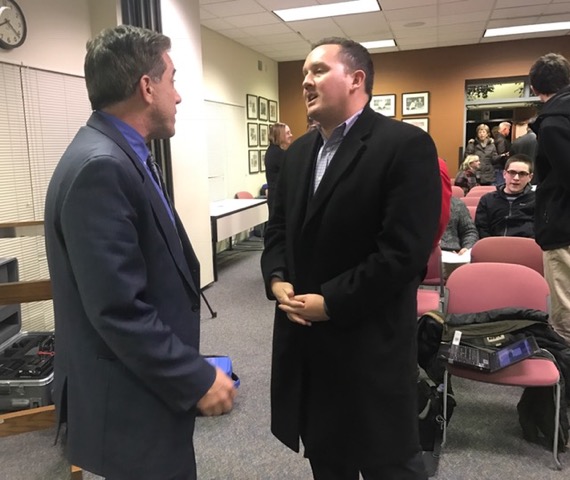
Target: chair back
519,250
457,191
472,201
243,195
472,211
480,190
434,275
476,287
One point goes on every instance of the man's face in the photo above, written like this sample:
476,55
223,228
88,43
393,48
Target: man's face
165,99
326,86
505,130
517,176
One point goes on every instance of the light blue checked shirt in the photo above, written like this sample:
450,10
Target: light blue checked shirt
330,147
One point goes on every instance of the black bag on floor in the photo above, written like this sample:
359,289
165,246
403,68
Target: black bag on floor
430,418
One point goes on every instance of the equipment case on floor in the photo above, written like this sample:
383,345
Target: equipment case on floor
26,358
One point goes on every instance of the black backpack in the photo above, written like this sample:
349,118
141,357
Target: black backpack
430,418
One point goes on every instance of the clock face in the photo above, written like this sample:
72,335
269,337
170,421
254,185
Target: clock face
12,24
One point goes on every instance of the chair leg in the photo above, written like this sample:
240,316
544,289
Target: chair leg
445,381
556,426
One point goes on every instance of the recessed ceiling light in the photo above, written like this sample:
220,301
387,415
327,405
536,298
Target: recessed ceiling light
539,27
331,10
414,24
378,44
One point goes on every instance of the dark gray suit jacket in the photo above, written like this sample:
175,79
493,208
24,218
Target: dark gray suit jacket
127,309
348,386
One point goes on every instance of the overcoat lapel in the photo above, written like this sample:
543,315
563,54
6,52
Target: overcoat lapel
165,224
349,152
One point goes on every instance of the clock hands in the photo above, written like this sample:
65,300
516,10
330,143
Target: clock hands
10,25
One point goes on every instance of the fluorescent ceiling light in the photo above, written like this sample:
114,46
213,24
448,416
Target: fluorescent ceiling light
331,10
378,44
539,27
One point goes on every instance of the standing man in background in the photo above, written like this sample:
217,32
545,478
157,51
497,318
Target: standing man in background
354,221
550,81
126,282
503,145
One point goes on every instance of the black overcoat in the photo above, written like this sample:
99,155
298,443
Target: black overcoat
363,240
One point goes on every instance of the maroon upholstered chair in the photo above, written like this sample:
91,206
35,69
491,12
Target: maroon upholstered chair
430,298
523,251
471,201
243,195
501,285
457,191
480,190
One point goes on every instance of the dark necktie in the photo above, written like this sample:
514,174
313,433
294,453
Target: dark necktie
158,178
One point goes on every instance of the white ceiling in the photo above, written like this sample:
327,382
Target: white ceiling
413,24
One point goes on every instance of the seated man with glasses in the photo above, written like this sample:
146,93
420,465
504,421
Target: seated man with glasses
509,211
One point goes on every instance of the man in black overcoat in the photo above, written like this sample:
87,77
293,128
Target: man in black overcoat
356,212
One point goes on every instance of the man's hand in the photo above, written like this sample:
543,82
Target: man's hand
301,309
309,307
462,251
285,295
219,398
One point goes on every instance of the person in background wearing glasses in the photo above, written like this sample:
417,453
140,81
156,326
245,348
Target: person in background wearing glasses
509,211
550,81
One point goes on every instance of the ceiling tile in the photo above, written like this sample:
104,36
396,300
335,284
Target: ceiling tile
234,7
253,20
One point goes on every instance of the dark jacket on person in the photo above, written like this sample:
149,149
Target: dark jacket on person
502,143
466,179
461,231
526,144
552,168
489,157
498,217
362,240
274,157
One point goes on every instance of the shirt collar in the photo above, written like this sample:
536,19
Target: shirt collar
133,138
347,124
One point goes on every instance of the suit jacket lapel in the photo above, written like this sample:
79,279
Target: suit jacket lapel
164,222
349,151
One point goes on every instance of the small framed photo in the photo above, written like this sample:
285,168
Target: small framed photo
272,111
262,160
415,103
384,104
252,135
251,103
254,161
422,123
263,109
263,135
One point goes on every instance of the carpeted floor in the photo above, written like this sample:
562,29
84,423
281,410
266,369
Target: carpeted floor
484,437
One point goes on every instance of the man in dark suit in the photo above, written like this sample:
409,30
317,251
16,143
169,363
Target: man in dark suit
128,375
356,212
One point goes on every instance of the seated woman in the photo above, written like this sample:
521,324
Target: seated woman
459,236
484,147
468,177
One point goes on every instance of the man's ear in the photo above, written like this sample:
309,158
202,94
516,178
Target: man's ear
145,88
358,78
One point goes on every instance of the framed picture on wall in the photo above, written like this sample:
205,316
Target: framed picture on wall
422,123
254,161
415,103
263,109
263,135
252,135
272,111
251,103
384,104
262,160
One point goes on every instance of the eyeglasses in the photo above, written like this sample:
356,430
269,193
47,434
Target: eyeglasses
514,173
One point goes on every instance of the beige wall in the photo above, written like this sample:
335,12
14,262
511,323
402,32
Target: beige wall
442,72
230,72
